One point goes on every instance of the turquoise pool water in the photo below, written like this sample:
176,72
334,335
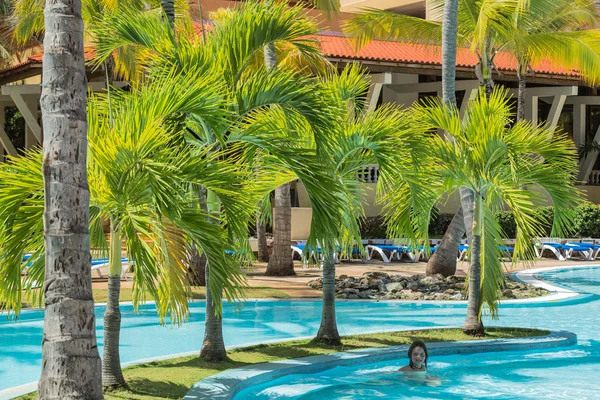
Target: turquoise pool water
259,321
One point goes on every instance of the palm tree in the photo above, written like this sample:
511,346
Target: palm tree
443,261
259,101
280,263
557,31
382,136
69,325
140,173
496,161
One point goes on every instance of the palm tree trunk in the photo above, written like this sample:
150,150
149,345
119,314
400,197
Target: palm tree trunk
473,325
280,262
443,261
71,367
261,236
328,332
112,375
168,7
213,346
449,27
522,76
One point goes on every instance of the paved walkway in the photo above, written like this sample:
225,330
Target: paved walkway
296,286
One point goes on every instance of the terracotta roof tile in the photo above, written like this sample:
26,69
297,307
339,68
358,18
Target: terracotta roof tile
334,45
340,47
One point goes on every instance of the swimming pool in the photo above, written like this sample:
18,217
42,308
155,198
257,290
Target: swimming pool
260,321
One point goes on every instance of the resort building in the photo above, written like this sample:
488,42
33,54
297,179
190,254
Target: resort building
401,73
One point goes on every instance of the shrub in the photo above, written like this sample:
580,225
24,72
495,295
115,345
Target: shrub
586,223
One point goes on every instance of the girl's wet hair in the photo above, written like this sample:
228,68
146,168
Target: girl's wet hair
414,345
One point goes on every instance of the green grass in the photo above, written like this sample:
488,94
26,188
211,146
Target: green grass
171,379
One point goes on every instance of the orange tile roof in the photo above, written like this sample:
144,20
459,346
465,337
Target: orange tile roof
337,46
334,45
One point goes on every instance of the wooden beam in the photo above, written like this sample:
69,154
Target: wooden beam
548,91
372,97
4,139
30,117
583,100
432,86
555,111
578,124
470,95
589,161
22,89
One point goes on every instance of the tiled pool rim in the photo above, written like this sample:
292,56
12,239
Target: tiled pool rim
227,384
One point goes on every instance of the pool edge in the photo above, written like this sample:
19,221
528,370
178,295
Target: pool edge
228,383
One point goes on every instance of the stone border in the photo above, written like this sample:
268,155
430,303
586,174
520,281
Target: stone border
227,384
530,276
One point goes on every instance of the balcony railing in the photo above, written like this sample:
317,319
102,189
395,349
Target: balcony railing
369,174
594,178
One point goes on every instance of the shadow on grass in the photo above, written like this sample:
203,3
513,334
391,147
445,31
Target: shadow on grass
149,387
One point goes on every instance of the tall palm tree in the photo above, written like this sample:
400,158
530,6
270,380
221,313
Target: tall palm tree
496,161
69,341
443,261
280,263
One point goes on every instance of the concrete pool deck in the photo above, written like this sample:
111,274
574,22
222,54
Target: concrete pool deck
296,286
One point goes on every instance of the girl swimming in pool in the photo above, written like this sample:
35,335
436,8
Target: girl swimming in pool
417,366
417,354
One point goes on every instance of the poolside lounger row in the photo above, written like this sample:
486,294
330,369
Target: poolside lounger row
97,264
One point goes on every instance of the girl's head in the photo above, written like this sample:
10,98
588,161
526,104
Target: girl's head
417,354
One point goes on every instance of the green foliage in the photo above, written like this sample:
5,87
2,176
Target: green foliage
586,221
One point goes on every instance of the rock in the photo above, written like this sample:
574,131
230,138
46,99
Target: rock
381,286
364,295
413,286
429,280
452,279
459,286
351,291
394,286
456,296
415,278
434,288
364,281
508,293
353,296
374,284
439,277
376,275
342,277
449,291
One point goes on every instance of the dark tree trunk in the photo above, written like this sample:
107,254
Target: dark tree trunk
112,375
521,75
71,367
261,236
213,346
196,268
473,325
280,262
328,332
443,261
